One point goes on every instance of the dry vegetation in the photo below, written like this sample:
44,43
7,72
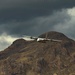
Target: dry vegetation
35,58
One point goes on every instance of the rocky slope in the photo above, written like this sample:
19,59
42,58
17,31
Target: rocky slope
36,58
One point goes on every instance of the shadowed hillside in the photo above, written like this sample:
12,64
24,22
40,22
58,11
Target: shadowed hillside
55,35
37,58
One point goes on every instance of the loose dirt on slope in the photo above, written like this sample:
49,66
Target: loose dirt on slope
36,58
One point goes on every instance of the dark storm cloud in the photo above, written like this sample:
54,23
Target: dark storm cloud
18,17
28,9
37,25
36,3
34,17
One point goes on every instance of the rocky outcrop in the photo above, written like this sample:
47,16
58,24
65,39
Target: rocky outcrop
37,58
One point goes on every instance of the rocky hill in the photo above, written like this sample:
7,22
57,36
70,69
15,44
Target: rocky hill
36,58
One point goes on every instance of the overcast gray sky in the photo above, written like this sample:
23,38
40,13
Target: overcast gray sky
34,17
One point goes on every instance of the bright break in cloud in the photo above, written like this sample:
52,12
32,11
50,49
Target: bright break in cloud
33,17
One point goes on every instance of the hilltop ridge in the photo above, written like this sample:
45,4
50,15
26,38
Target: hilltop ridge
35,58
54,35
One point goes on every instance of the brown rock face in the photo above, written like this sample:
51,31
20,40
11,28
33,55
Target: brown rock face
54,35
36,58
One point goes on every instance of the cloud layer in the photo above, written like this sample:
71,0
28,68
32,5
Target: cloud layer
23,15
6,40
34,17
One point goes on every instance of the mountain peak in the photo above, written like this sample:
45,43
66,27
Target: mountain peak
19,41
54,35
37,58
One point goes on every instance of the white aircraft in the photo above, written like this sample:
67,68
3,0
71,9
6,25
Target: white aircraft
38,39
